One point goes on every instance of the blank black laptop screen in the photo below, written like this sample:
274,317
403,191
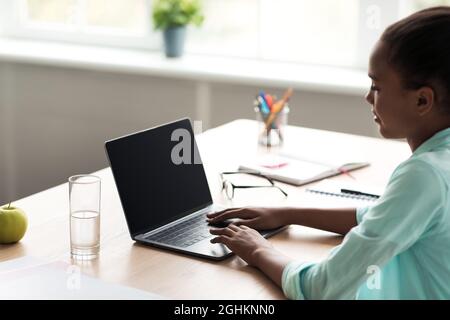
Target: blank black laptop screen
158,175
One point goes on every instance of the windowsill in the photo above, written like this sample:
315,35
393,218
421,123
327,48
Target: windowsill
190,66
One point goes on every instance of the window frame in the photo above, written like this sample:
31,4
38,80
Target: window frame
13,26
152,40
368,36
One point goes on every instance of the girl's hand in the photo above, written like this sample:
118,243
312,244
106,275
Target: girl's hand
245,242
256,218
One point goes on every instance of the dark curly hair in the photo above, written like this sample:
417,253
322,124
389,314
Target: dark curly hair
419,49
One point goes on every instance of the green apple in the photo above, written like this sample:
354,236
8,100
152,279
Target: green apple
13,224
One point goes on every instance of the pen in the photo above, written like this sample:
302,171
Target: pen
359,193
277,107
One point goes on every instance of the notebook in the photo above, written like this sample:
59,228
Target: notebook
346,190
296,171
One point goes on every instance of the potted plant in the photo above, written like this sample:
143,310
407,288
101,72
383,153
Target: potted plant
172,17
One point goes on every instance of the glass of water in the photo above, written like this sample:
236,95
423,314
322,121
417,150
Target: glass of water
84,200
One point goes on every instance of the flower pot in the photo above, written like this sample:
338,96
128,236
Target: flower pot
174,39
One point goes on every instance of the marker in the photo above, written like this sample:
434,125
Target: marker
359,193
269,100
264,107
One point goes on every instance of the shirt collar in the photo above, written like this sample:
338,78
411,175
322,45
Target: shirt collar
440,139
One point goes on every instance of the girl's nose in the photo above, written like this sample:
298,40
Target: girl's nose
369,97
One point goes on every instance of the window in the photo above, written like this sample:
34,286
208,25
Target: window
103,22
230,28
108,16
411,6
310,31
282,30
330,32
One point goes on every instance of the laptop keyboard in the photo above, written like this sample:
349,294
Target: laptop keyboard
184,234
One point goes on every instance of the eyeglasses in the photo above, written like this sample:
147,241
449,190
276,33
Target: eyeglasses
229,187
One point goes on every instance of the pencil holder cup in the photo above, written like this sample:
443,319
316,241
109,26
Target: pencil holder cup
271,126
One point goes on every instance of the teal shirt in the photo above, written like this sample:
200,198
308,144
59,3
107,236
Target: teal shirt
400,248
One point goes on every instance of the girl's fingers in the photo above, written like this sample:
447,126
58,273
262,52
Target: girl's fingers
230,214
222,231
234,227
221,239
215,214
252,223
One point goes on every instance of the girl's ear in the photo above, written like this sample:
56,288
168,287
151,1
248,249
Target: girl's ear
425,100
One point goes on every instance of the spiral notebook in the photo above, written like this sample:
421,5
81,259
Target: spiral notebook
352,191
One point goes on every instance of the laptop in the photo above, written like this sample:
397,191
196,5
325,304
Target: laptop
164,191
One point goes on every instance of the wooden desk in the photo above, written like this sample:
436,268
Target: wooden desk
178,276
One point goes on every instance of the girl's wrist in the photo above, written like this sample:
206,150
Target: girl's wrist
259,256
287,215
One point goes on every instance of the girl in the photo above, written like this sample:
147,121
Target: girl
406,234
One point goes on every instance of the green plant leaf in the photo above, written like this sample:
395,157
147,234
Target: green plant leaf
169,13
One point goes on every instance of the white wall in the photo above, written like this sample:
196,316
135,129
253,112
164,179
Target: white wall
54,120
